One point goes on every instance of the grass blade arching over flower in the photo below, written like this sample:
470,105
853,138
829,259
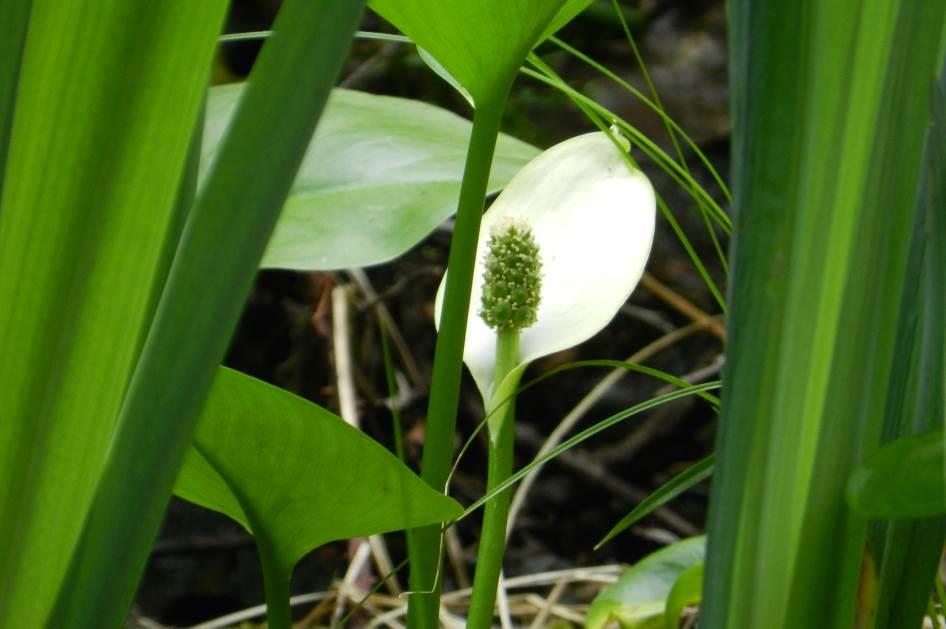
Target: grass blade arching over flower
592,216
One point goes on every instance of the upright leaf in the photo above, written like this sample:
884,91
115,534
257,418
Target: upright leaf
209,279
106,101
908,551
830,103
14,19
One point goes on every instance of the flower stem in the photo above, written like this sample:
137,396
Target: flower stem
502,416
275,589
424,543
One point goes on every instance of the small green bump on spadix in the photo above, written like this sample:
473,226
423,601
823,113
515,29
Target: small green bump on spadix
512,278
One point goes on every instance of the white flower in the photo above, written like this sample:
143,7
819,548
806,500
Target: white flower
592,216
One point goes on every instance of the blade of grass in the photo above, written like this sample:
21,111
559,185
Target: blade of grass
693,475
679,174
601,117
14,19
241,200
587,434
655,107
99,136
909,551
829,107
720,255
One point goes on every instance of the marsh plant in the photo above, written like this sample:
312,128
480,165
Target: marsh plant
125,184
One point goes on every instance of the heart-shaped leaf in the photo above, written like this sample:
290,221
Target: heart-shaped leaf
687,590
297,476
638,599
394,175
903,479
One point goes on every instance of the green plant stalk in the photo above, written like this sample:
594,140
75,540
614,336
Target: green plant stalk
424,543
501,420
275,588
172,378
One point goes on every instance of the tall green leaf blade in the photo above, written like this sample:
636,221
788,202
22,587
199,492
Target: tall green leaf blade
481,43
297,476
97,144
14,19
908,551
394,176
830,100
209,279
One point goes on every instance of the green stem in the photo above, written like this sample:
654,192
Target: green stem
276,589
424,543
489,556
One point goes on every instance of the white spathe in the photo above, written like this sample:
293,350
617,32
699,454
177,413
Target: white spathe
592,215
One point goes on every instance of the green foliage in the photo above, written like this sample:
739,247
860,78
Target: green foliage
394,175
241,199
680,483
687,591
296,476
638,599
81,246
98,387
480,43
830,103
903,479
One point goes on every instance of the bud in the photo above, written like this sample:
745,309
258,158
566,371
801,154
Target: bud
512,279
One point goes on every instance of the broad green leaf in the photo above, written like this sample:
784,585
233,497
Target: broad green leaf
830,104
904,479
687,590
82,239
208,281
481,43
638,599
563,17
394,175
297,476
680,483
